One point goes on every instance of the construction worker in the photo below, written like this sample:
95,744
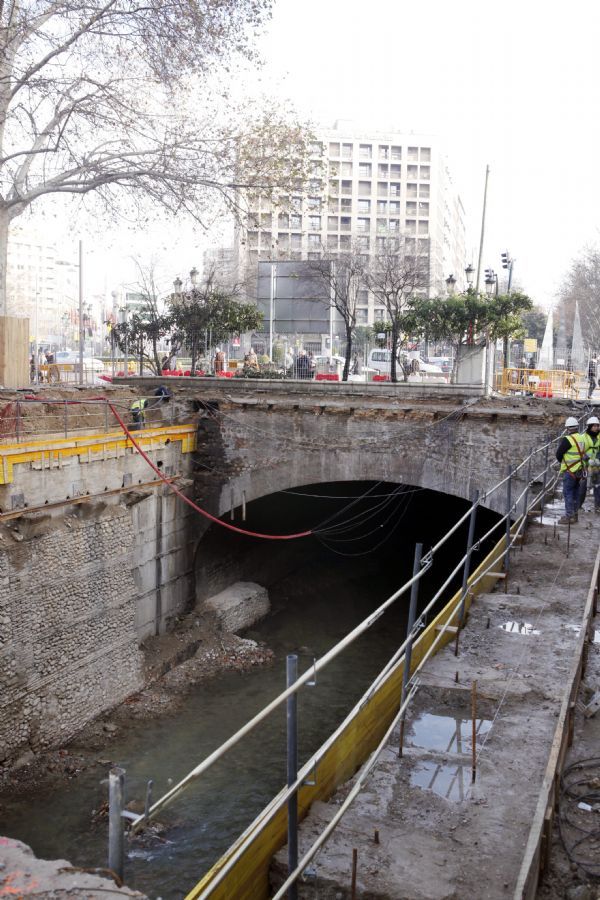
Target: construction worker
592,434
572,456
137,411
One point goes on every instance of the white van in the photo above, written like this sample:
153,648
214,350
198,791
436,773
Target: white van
381,361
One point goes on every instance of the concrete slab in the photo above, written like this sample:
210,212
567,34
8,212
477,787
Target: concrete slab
440,835
240,605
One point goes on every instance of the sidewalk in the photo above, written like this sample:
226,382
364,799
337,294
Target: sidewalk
422,830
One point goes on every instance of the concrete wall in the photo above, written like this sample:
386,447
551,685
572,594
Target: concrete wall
14,352
82,585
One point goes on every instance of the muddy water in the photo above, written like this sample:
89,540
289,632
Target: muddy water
309,616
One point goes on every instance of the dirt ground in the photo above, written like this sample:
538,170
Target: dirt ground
194,651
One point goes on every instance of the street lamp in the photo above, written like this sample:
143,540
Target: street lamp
177,285
450,285
469,274
194,276
491,283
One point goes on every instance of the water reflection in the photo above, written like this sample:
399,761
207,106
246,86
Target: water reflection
449,734
519,628
448,781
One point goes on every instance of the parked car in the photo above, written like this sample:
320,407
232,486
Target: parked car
444,362
381,360
66,358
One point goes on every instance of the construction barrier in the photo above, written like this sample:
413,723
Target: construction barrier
541,382
248,878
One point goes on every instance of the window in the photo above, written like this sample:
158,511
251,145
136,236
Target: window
314,223
296,242
295,221
283,221
252,241
345,223
413,172
396,153
362,316
395,170
425,154
411,226
382,189
347,151
383,170
265,238
363,242
365,170
424,209
411,190
424,227
297,204
265,220
346,205
314,240
334,186
379,315
364,206
363,224
384,151
394,208
332,223
413,154
394,225
411,208
382,225
316,147
382,207
314,203
347,169
334,149
425,173
424,190
315,185
395,189
283,241
365,151
362,297
347,188
334,205
332,241
345,242
364,187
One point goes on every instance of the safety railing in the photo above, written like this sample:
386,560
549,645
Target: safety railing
367,728
34,418
542,383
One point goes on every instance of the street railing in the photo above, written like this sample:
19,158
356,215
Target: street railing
542,383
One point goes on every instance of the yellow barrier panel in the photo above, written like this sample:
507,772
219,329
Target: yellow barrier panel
48,452
541,383
249,877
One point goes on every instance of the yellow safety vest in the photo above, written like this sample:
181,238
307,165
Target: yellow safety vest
573,460
138,404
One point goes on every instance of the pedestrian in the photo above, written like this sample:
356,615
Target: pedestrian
572,456
592,435
219,361
137,411
592,370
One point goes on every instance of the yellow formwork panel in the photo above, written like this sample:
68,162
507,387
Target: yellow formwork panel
53,451
249,876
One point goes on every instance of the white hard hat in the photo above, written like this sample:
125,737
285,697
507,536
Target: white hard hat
571,422
593,420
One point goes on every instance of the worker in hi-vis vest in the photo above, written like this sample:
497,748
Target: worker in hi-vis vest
137,411
573,458
592,438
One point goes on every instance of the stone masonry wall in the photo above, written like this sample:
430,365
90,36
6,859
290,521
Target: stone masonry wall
68,643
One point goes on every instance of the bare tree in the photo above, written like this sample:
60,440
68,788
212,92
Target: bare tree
396,272
103,97
582,284
343,275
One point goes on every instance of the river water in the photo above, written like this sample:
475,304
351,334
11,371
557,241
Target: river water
314,606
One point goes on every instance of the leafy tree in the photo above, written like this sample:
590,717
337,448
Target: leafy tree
394,276
209,312
534,323
343,275
127,102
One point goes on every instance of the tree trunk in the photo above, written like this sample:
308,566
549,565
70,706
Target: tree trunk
346,371
4,225
454,375
393,369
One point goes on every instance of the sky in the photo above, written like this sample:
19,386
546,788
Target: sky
512,85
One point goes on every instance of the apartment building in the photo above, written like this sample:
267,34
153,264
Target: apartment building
366,187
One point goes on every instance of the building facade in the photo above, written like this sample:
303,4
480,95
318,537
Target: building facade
366,187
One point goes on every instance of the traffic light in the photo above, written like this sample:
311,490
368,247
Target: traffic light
506,260
489,275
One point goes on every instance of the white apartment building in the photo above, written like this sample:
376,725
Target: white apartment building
367,186
42,285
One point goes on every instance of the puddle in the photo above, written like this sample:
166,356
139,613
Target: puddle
448,734
519,628
449,781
